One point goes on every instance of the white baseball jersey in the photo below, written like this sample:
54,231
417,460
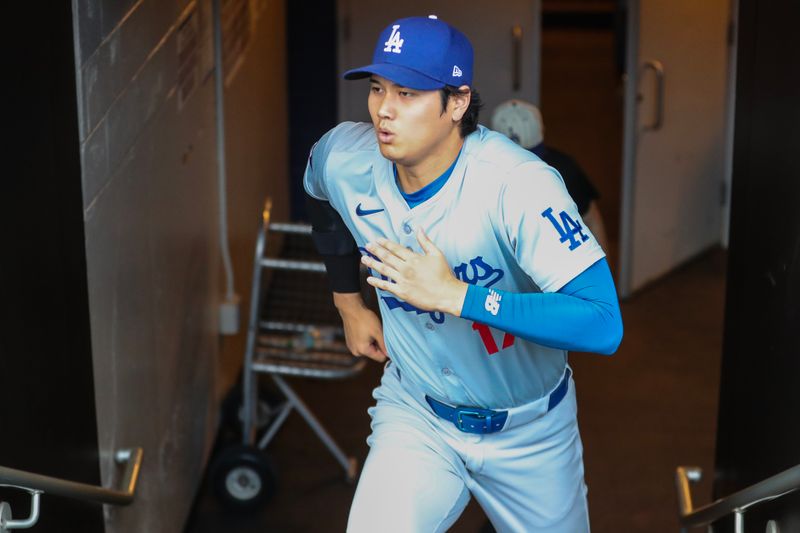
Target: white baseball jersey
503,220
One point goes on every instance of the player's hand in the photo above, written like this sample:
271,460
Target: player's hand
363,331
423,280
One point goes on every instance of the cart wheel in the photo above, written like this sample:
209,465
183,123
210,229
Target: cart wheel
243,478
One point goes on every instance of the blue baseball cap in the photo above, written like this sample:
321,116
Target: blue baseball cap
421,53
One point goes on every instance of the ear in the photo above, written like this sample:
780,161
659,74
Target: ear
461,102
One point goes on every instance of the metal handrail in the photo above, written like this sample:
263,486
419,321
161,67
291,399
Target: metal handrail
736,503
291,227
38,483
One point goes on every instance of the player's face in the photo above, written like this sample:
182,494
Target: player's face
409,123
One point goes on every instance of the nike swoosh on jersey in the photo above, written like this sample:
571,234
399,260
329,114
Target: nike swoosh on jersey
364,212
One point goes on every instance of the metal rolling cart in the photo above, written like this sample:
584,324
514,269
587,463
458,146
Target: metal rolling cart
296,344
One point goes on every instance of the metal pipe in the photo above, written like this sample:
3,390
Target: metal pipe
297,327
81,491
629,148
683,476
222,177
286,227
738,521
8,524
275,425
249,384
768,489
291,264
312,421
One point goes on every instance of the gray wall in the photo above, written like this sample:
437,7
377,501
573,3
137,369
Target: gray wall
151,206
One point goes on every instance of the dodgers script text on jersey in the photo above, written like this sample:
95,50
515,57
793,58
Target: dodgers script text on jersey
503,220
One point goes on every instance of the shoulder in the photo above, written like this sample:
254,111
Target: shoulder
346,150
487,147
498,162
350,148
347,137
350,137
341,160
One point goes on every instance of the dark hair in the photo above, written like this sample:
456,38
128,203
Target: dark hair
469,122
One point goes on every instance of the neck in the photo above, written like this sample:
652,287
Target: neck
416,176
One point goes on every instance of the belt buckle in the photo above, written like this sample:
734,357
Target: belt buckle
472,412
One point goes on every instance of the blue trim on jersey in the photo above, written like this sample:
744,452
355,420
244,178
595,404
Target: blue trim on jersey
583,316
413,199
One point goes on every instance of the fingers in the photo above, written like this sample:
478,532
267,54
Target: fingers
427,245
389,252
374,350
382,346
364,335
380,267
389,258
375,353
385,285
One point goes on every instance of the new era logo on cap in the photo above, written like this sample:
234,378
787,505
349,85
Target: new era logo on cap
420,53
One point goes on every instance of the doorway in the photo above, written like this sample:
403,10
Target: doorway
582,97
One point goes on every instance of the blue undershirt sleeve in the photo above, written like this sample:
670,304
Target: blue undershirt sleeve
583,316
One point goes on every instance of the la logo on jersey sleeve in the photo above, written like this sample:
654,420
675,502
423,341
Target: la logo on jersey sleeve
567,229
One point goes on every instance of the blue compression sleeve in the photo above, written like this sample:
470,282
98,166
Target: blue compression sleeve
583,316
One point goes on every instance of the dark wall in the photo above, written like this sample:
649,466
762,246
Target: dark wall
47,408
758,433
312,78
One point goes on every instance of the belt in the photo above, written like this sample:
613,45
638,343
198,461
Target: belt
482,421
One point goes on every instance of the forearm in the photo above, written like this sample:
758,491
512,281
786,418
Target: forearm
335,245
583,316
348,303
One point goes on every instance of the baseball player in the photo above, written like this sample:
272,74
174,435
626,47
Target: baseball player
485,276
521,122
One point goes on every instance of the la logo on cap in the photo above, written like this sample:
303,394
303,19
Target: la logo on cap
395,43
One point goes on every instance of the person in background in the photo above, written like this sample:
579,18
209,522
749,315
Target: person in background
521,122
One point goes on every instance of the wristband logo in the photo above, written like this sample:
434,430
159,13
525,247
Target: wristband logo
492,304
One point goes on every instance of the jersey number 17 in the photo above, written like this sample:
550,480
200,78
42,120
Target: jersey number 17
488,340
